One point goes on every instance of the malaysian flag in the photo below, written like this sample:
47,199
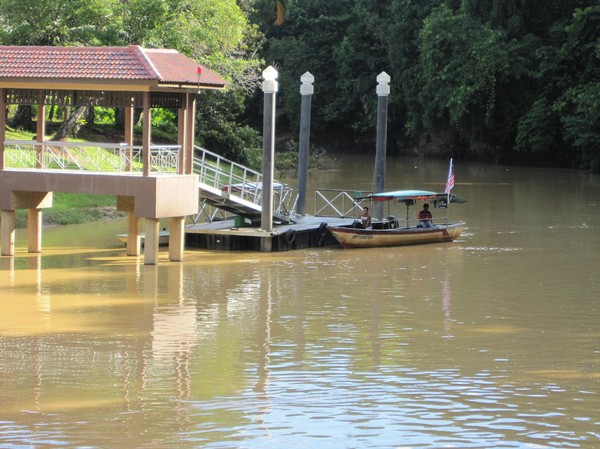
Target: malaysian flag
450,181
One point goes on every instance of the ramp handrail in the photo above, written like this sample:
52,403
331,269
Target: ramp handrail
225,175
236,180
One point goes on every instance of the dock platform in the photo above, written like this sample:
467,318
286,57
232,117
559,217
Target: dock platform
303,232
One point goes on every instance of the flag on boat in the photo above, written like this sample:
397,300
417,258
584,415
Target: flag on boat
450,181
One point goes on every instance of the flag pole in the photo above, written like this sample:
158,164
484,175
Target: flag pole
449,181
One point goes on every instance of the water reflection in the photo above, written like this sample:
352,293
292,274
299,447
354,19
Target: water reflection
491,341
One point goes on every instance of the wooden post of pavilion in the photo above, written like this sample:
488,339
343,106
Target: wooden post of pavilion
2,126
34,215
7,218
185,137
182,134
134,240
152,225
7,233
190,132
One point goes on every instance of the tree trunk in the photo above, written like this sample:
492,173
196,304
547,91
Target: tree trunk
71,125
90,117
120,118
23,118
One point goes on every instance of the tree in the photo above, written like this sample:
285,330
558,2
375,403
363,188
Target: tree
55,22
566,110
218,34
461,59
58,22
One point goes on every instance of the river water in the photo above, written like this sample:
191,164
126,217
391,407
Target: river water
492,341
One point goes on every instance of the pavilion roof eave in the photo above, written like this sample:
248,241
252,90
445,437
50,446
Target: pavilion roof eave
78,84
187,87
104,85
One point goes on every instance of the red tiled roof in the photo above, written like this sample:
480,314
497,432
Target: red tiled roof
129,63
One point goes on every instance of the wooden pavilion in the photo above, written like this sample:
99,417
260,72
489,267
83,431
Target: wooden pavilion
127,77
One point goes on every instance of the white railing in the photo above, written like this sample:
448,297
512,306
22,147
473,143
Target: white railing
97,157
237,180
338,203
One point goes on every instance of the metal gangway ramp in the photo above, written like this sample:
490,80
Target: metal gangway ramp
227,186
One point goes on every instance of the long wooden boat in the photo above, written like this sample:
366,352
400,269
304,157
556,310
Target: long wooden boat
388,232
372,238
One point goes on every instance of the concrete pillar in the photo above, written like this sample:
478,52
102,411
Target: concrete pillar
306,91
134,242
383,91
152,234
146,134
7,232
269,87
34,230
176,238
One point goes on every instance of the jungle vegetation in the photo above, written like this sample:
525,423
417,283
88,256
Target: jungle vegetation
516,81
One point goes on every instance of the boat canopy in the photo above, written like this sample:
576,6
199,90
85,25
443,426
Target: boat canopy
409,197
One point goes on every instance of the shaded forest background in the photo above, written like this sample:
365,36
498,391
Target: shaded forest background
516,81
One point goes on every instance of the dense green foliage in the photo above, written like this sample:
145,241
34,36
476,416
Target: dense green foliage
516,80
216,33
511,80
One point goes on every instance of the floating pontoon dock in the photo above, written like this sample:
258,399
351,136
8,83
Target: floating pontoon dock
304,232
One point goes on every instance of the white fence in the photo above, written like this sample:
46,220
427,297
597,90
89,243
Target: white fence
96,157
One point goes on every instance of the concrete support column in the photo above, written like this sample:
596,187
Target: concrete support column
7,232
383,91
176,238
146,134
134,241
269,87
34,230
2,126
152,234
306,91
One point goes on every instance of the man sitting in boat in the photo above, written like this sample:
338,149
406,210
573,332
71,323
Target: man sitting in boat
365,218
425,217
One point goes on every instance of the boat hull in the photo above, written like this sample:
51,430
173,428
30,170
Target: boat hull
375,238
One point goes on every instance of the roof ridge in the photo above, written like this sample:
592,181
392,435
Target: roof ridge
140,53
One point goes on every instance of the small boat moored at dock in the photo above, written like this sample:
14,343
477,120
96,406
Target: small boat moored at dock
389,232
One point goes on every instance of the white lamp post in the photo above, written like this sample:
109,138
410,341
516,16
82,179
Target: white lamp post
269,87
383,91
306,91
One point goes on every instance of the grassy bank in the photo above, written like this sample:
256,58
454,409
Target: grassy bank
72,208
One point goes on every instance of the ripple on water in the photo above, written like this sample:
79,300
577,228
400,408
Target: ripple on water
392,408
